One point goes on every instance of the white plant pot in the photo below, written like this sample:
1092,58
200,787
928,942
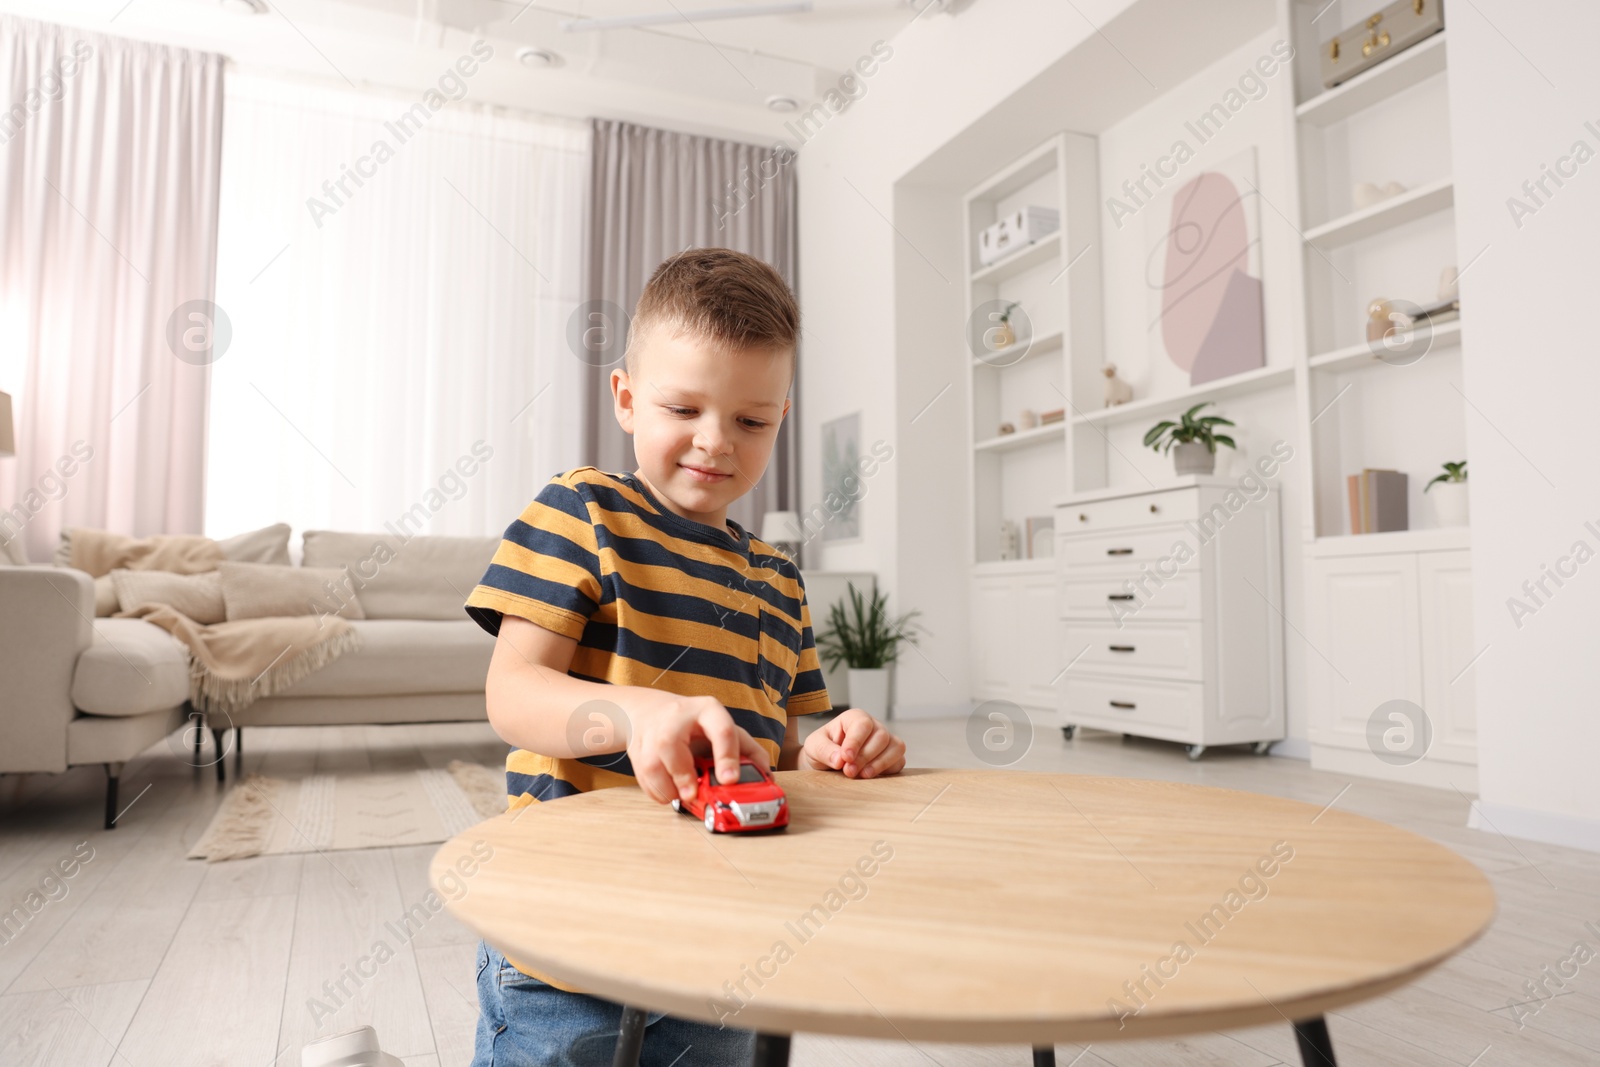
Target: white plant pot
1192,457
1450,503
869,690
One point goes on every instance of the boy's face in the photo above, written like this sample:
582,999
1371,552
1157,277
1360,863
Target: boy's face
703,421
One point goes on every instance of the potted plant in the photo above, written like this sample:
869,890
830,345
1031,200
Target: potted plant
1005,336
1450,501
867,641
1193,440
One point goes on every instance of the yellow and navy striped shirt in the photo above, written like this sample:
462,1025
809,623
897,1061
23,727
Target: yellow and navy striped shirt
653,599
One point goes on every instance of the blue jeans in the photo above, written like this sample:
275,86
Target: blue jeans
523,1022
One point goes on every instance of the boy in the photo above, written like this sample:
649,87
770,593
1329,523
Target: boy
638,625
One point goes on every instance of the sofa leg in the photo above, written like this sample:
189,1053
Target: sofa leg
238,751
113,771
217,734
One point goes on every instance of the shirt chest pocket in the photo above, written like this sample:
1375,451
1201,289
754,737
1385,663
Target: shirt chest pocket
778,655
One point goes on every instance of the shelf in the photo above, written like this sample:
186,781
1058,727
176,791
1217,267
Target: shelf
1439,539
1014,566
1050,342
1006,442
1412,204
1019,175
1375,86
1248,382
1185,481
1047,247
1445,335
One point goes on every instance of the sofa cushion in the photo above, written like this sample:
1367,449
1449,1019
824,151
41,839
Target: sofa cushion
262,590
131,668
270,544
401,656
199,596
405,578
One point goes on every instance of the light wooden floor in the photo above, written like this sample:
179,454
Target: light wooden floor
151,960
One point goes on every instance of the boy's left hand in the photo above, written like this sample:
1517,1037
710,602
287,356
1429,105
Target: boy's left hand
855,744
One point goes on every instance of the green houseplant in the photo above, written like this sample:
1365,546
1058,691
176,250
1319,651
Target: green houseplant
867,641
1193,440
1450,502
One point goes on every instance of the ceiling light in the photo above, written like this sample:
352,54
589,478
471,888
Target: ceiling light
245,7
782,103
537,58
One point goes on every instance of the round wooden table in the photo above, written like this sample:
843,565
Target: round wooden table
970,906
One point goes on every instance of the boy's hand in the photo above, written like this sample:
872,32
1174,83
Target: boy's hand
666,730
855,744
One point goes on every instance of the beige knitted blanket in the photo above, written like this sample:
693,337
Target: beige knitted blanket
231,664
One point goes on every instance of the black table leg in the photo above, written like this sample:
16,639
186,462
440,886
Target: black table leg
217,734
1044,1056
630,1038
238,750
772,1050
1316,1047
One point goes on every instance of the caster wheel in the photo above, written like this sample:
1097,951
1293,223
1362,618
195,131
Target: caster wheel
1067,732
1262,748
1195,751
711,819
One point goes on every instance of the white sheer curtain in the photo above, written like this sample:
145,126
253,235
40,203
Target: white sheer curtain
379,336
109,153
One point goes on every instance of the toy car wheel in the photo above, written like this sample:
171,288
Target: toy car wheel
677,805
711,818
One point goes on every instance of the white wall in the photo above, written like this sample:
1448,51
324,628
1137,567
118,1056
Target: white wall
945,73
1533,381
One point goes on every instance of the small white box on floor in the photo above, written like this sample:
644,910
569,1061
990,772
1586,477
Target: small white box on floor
1015,230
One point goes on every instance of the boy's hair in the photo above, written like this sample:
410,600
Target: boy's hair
733,300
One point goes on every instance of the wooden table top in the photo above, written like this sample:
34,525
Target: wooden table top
970,906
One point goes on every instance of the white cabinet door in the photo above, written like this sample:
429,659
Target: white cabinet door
1040,643
994,638
1365,648
1449,682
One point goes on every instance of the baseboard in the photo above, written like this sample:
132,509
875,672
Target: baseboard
921,712
1292,748
1572,831
1431,772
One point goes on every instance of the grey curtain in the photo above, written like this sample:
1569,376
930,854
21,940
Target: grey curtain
655,193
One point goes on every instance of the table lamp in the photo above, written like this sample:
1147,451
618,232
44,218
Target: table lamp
782,530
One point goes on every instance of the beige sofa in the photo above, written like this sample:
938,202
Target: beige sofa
78,689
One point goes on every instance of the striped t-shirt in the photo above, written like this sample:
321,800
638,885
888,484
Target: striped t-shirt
653,599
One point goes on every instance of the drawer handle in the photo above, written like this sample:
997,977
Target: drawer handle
1120,648
1122,704
1119,551
1082,517
1119,596
1154,509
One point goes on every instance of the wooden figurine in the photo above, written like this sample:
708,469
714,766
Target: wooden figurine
1117,390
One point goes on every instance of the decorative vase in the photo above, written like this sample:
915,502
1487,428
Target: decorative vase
1192,457
1450,503
869,690
1004,336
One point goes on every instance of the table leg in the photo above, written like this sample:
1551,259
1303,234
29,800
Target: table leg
772,1050
1316,1047
630,1038
1044,1056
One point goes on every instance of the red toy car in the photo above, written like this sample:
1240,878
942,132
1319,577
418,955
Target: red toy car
754,802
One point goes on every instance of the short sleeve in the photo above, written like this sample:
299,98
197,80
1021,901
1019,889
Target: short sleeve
809,695
546,568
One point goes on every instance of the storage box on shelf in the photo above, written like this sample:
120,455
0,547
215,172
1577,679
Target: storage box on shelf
1171,602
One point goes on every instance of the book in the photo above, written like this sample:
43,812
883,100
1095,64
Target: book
1353,486
1387,493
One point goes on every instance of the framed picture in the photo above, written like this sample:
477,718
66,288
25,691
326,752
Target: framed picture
1203,268
1041,543
842,487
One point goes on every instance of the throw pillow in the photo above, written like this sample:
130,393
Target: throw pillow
198,596
260,590
270,544
12,553
105,597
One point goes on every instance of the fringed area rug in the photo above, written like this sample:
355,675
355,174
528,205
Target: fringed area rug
328,812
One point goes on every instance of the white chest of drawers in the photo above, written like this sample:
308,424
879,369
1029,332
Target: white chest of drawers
1171,603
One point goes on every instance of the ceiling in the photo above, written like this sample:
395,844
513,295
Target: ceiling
713,73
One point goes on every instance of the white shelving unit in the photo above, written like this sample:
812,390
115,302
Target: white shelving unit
1388,614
